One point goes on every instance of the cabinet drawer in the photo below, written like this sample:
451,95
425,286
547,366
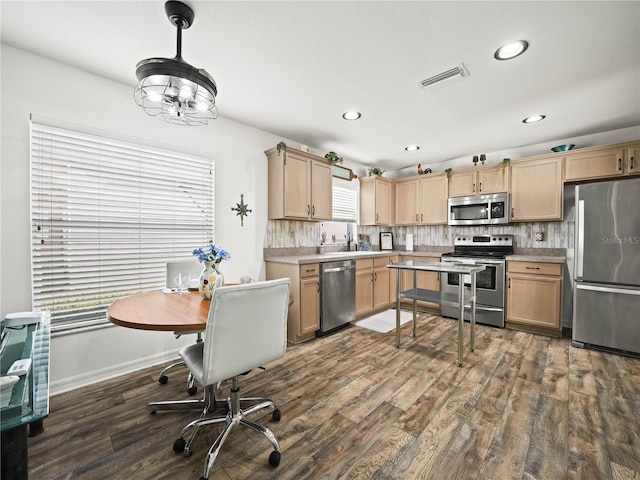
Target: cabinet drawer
535,268
381,261
309,270
364,263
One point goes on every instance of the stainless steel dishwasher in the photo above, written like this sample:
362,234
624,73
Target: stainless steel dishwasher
337,295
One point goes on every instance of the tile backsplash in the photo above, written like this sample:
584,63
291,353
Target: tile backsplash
555,235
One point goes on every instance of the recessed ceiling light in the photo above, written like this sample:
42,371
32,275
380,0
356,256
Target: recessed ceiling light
511,50
412,148
352,115
533,119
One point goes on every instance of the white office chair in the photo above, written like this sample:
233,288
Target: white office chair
194,268
246,328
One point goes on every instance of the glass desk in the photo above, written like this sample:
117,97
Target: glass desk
29,399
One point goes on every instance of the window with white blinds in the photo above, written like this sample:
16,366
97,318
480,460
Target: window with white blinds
106,216
345,200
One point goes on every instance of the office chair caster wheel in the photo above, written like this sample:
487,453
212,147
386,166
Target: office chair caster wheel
163,380
276,415
274,458
192,390
179,445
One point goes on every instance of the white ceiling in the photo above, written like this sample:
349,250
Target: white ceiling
292,68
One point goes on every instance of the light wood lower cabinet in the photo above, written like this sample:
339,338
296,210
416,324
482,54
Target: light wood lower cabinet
372,285
304,313
534,297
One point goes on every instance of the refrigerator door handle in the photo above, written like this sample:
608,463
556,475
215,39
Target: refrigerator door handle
601,288
580,240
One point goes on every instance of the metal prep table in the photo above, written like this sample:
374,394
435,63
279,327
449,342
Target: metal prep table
433,296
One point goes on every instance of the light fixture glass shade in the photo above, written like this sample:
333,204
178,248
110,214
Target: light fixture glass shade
176,91
511,50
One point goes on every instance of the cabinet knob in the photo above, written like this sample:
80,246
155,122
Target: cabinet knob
416,217
532,268
422,217
480,186
473,188
313,210
308,209
631,163
376,217
620,164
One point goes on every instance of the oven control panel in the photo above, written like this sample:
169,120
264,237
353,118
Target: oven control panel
499,240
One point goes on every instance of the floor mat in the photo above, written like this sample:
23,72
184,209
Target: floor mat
384,322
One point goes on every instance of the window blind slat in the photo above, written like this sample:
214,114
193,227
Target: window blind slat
345,201
106,216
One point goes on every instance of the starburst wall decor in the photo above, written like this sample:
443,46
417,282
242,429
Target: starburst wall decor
241,210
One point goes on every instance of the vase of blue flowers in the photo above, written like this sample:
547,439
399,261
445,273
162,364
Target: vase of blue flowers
211,276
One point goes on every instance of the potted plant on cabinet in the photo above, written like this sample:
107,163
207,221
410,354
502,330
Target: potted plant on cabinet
333,158
282,148
375,171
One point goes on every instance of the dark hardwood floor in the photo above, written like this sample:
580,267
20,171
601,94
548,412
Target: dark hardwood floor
356,407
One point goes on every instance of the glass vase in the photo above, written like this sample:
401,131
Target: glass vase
210,279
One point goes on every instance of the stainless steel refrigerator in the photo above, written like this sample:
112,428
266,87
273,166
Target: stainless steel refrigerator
606,298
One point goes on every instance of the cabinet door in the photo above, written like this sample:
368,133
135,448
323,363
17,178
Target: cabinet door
309,305
462,183
597,163
380,287
633,160
297,192
493,180
406,203
536,190
534,300
321,191
364,291
432,200
383,202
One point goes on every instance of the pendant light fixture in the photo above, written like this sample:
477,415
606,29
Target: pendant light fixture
172,89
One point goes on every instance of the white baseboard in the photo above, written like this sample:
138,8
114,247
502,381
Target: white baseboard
89,378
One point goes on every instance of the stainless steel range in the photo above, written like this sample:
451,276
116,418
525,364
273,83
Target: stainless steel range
488,250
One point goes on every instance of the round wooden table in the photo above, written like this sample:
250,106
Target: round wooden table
160,311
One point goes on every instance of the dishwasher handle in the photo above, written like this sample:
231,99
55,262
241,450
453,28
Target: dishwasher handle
338,269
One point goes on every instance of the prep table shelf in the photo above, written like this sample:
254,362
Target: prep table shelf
432,296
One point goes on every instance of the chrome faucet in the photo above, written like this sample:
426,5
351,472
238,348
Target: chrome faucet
349,240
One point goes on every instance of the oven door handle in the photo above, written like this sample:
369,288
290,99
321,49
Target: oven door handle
473,262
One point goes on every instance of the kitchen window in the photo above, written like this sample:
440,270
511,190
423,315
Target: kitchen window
106,216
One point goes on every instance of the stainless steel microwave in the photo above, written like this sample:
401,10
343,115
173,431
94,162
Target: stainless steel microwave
480,210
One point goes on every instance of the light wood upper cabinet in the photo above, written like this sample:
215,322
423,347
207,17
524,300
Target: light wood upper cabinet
595,163
407,202
432,202
321,191
376,201
422,201
536,189
300,188
479,180
632,165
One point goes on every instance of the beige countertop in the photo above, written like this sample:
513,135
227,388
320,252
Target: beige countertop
333,256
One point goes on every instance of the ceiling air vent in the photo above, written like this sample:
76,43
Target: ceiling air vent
453,74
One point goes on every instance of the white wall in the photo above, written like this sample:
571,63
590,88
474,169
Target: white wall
35,85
